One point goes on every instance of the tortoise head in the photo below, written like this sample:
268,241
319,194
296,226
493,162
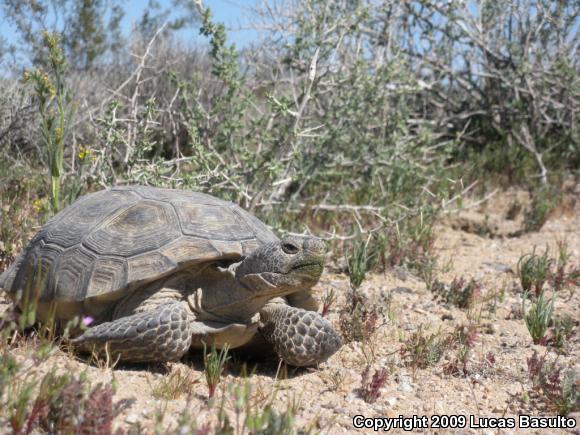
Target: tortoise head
283,267
238,292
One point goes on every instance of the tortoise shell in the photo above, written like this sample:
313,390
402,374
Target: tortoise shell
123,237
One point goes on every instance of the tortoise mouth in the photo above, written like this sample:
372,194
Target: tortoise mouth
309,269
307,266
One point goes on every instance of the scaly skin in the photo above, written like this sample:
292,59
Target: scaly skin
162,334
299,337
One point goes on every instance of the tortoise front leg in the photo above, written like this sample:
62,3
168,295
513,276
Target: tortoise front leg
158,335
299,337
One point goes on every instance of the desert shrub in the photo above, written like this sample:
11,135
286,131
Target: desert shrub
277,128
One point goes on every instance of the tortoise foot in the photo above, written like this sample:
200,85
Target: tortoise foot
299,337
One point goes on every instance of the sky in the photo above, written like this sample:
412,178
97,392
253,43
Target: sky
233,13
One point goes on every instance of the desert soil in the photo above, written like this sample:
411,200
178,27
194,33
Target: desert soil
327,398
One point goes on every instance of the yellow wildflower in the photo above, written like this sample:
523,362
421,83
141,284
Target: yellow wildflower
37,204
84,152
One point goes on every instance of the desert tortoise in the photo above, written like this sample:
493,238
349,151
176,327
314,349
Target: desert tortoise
162,271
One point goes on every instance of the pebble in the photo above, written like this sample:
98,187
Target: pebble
405,387
391,401
406,290
352,397
132,419
498,267
421,311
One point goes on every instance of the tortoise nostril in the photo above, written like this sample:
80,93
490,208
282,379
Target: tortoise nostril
315,245
290,248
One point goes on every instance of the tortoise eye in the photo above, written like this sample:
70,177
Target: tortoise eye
289,248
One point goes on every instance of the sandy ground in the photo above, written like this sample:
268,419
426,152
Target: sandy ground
327,398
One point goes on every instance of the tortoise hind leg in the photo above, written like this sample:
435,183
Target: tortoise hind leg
299,337
161,334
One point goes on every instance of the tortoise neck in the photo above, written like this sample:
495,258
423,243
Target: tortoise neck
218,294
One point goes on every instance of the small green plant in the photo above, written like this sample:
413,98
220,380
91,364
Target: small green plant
360,259
327,301
269,421
557,387
186,424
563,330
174,385
28,301
359,319
214,363
55,109
254,411
460,293
21,416
463,339
76,407
426,268
55,403
158,417
22,205
563,276
563,254
421,350
334,378
411,244
568,399
534,270
539,317
559,276
494,298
